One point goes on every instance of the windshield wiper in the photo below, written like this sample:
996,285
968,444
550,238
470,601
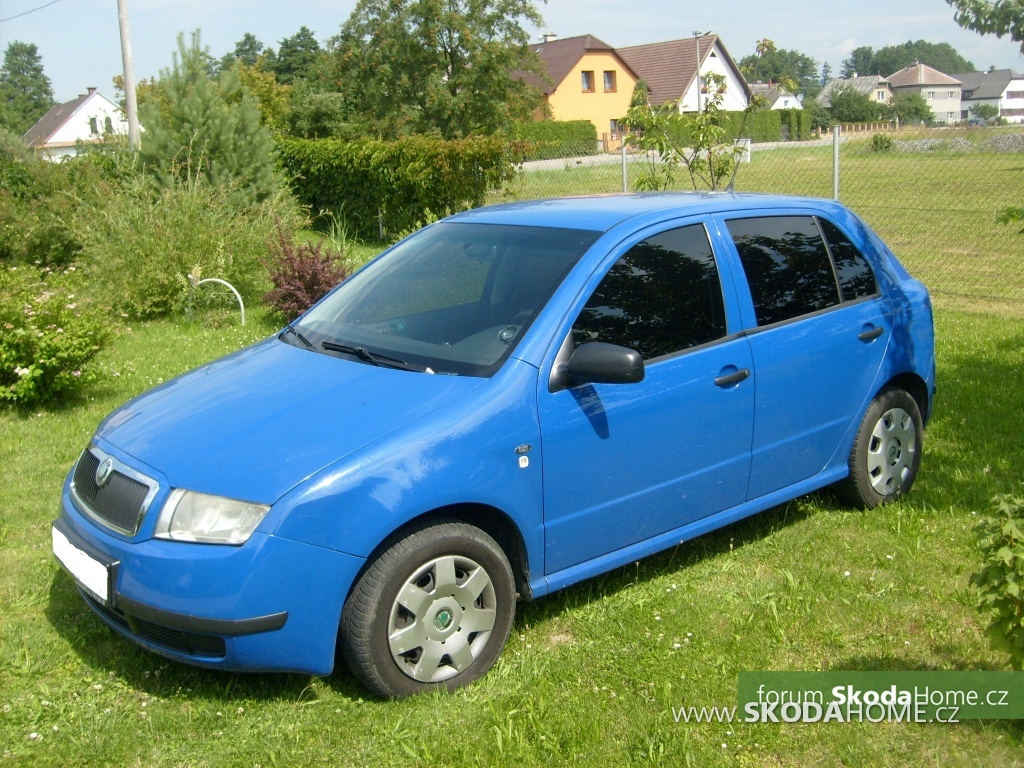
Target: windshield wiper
299,336
373,358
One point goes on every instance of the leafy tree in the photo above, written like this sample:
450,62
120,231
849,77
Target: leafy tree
207,128
671,139
910,109
851,106
25,91
893,58
272,98
796,71
1002,17
248,51
859,62
985,112
297,57
443,67
940,56
317,115
820,115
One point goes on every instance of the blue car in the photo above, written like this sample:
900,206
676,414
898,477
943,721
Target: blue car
505,403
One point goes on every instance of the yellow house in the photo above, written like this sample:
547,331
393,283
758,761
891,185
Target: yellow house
588,81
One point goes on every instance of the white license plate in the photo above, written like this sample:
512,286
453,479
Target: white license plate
89,572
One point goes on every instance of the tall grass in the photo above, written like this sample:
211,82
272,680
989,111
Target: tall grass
591,674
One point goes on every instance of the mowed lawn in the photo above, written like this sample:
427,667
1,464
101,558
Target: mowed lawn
590,675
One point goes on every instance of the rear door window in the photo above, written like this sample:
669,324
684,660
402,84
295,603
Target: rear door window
788,267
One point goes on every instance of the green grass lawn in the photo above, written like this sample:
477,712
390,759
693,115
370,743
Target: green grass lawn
590,674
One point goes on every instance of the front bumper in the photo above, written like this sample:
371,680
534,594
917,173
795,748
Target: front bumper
270,605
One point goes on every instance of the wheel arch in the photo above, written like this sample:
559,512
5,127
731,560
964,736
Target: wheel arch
489,519
914,386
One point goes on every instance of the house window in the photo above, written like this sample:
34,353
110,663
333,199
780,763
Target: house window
1015,94
951,115
931,94
94,127
951,95
588,81
108,125
613,126
880,96
609,81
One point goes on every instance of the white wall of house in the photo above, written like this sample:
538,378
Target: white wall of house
735,95
944,101
1011,105
97,117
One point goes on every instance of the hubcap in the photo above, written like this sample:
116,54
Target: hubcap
441,619
891,451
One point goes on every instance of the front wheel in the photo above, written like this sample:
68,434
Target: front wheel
886,453
433,610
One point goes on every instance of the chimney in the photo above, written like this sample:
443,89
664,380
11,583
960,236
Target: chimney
91,91
547,37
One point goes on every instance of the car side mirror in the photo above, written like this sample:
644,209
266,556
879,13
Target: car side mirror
601,363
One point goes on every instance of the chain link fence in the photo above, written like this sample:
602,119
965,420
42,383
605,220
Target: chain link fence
933,195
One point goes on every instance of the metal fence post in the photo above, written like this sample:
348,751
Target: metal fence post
835,162
625,178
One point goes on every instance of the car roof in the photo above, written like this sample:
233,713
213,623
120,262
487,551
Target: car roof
602,212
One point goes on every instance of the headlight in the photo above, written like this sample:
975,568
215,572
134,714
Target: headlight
191,516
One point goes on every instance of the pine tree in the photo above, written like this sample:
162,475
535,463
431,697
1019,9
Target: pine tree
209,129
25,91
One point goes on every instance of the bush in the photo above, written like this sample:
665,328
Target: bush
302,274
552,139
139,248
881,143
49,334
1000,583
38,200
390,184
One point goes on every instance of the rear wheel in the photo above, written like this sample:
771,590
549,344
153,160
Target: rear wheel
432,611
886,453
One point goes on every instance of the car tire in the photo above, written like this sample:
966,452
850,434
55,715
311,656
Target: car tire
886,453
432,610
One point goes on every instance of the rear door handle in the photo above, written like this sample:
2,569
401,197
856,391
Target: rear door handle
732,378
872,334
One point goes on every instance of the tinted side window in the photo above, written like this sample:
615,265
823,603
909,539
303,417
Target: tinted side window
787,266
856,280
663,296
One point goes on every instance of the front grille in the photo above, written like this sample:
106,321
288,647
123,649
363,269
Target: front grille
188,643
120,502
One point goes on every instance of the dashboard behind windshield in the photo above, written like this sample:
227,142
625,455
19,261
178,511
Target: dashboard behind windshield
454,298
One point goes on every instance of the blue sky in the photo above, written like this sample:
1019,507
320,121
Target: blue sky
79,44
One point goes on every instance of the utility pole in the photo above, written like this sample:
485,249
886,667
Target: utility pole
131,105
696,79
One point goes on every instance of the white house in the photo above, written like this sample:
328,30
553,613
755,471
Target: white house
776,96
86,119
1000,88
671,71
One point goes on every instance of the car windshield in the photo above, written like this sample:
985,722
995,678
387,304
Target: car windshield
454,298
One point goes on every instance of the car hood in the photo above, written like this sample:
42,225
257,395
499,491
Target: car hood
252,425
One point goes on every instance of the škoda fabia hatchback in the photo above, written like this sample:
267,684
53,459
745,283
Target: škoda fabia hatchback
507,402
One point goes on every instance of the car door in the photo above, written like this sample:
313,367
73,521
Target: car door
625,462
822,327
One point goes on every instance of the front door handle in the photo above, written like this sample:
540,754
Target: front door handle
871,335
732,378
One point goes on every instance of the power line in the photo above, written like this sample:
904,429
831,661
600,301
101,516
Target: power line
26,13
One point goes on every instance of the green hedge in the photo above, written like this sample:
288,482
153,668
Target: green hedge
553,139
393,185
766,125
